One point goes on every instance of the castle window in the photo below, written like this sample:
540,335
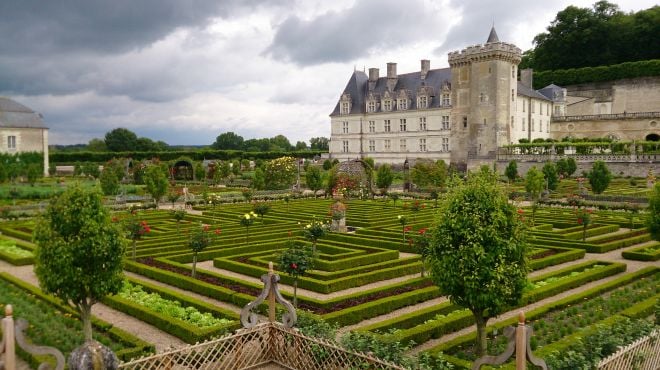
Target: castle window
464,121
402,145
422,145
557,110
423,102
523,124
512,95
372,126
513,72
402,124
523,105
484,122
372,145
547,127
388,145
531,125
422,123
371,107
547,109
445,123
403,104
445,144
512,122
344,127
11,142
387,125
540,125
344,146
345,108
533,104
446,101
387,105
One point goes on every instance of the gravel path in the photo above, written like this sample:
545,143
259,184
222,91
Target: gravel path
612,256
160,339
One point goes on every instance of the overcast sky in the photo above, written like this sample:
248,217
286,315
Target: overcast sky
184,71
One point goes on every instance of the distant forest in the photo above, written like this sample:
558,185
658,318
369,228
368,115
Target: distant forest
597,36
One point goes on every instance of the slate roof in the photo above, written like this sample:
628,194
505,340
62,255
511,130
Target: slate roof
492,37
16,115
552,92
526,91
358,86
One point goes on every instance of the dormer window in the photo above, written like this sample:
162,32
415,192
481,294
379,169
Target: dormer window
446,101
345,108
403,104
423,102
371,106
387,105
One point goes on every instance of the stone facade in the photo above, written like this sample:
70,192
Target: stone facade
464,113
22,130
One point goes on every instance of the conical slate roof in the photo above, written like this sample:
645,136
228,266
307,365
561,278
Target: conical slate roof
493,36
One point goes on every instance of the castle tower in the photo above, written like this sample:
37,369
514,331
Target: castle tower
484,89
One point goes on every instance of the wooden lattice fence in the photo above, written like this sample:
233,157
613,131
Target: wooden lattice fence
642,354
267,343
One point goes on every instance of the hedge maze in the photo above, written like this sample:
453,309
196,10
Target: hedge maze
373,271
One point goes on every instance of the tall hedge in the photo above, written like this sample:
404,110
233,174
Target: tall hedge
573,76
197,155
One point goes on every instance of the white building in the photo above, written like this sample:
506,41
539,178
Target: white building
22,130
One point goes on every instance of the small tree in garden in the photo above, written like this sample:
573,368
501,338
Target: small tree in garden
550,174
415,207
247,195
571,166
179,215
247,220
135,229
420,243
109,181
258,179
478,250
584,219
384,178
173,197
534,185
295,261
200,238
314,231
511,171
287,199
653,221
261,209
403,220
156,183
394,198
313,179
599,177
79,251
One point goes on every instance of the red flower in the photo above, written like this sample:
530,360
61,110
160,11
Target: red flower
147,229
115,219
206,227
407,228
589,211
422,231
294,266
520,211
217,231
580,221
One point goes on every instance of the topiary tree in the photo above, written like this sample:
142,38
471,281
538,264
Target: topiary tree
534,185
599,177
295,261
200,238
261,209
179,215
511,171
156,183
571,166
79,251
653,221
314,231
258,180
384,178
478,250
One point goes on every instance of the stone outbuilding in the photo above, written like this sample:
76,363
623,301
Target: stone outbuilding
22,130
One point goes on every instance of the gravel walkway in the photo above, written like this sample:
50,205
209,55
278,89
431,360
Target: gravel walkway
160,339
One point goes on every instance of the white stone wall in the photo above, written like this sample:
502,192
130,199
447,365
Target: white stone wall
532,119
27,140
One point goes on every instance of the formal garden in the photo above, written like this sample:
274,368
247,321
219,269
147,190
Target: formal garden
364,262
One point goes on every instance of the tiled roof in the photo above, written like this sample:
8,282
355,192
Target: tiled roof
526,91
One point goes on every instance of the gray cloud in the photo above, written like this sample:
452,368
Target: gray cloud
479,15
340,36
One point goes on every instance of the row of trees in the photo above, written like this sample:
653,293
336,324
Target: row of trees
600,35
232,141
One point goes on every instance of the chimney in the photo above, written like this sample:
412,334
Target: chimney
391,76
426,66
373,74
526,77
373,78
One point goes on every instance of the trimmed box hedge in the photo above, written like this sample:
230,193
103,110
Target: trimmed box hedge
644,253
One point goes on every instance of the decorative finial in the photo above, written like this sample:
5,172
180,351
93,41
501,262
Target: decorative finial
9,310
521,318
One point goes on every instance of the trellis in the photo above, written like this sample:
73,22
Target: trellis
642,354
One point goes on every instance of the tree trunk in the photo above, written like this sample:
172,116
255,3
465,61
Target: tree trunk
584,233
314,247
295,293
194,266
86,317
247,234
481,333
134,243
